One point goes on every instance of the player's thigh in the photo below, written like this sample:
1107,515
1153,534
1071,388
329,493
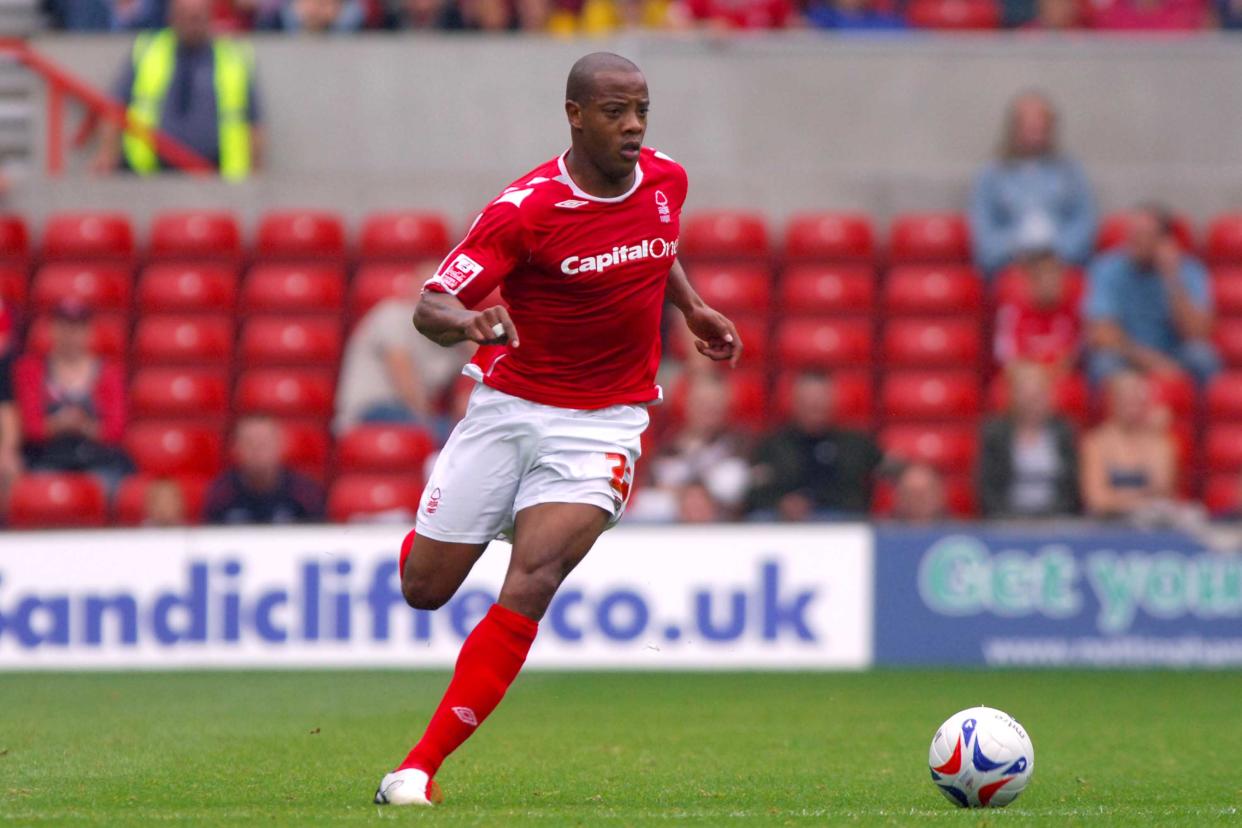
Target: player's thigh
550,539
435,569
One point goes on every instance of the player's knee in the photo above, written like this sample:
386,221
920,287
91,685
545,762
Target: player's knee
422,595
534,588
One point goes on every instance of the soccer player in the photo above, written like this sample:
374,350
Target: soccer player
584,250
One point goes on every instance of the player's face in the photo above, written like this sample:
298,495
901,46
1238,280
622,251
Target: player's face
614,121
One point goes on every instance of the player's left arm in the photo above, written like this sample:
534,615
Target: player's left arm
715,336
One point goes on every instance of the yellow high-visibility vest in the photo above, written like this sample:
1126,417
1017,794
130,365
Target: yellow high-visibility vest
155,56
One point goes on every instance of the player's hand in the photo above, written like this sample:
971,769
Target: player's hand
491,327
716,338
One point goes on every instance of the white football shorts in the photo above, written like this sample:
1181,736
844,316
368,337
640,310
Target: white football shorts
508,453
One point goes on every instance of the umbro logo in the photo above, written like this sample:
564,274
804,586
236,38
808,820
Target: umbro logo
466,715
571,203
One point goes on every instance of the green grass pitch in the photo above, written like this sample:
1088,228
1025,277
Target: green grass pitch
307,748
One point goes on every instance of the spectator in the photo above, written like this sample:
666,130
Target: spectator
72,402
810,468
1149,305
600,17
1041,323
1228,14
738,14
1128,461
105,15
1028,463
1151,15
10,422
852,15
197,88
311,16
919,494
393,374
486,15
424,15
1031,192
163,504
259,488
1056,16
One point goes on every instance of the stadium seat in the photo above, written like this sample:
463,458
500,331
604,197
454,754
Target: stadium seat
930,395
306,447
277,340
301,234
187,288
947,343
196,234
279,288
929,237
1227,290
1011,286
404,235
822,343
167,448
384,448
179,392
853,401
14,238
1115,227
284,392
369,496
13,287
85,236
1223,447
950,448
1224,397
723,234
373,283
930,290
101,287
129,505
55,500
108,335
1071,396
830,237
1228,339
828,289
184,339
954,15
748,398
733,287
1223,495
1224,238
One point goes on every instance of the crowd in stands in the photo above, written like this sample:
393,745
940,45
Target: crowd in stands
597,17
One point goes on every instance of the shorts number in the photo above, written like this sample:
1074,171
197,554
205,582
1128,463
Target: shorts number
622,475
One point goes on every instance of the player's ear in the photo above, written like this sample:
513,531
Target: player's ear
574,113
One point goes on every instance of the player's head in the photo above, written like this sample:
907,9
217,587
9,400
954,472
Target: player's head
191,20
258,447
1030,126
606,103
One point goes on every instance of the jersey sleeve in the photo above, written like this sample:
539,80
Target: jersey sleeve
494,245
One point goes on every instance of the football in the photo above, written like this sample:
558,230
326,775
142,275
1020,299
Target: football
981,758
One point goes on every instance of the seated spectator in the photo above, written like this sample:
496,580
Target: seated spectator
163,504
1150,15
1028,462
224,128
810,468
1149,305
738,14
1041,324
600,17
1056,16
393,374
1128,461
486,15
1031,191
311,16
852,15
424,15
10,422
259,488
105,15
72,402
1228,14
918,495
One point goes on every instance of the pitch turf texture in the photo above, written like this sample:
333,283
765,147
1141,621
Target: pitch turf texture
294,748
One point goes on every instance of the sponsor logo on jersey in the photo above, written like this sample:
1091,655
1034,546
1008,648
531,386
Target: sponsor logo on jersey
662,208
647,249
459,273
571,203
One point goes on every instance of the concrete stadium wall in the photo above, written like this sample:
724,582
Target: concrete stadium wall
780,123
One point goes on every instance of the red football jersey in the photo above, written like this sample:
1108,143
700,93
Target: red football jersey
584,279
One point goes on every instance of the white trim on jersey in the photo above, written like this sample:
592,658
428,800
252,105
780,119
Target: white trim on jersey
565,179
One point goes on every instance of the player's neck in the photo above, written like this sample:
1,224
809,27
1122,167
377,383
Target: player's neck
591,180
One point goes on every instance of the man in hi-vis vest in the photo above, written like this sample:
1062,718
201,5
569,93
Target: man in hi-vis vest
197,88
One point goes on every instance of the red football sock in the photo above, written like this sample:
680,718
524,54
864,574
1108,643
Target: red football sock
406,546
490,659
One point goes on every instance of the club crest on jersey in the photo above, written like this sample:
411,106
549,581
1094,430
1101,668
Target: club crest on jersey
459,273
571,203
661,201
648,249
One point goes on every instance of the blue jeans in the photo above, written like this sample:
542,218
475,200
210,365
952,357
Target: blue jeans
1197,357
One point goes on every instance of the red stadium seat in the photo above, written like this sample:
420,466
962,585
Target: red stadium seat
830,237
88,236
1224,397
180,392
179,339
279,288
14,238
301,234
130,504
949,448
196,234
1223,447
1223,494
384,448
361,496
167,448
1227,289
930,395
1071,396
276,340
52,500
306,447
108,335
1224,239
948,343
828,289
723,234
929,237
404,235
374,283
1116,226
954,15
13,287
748,404
822,343
284,392
732,288
1177,392
853,401
187,288
101,287
929,290
1011,286
1228,339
